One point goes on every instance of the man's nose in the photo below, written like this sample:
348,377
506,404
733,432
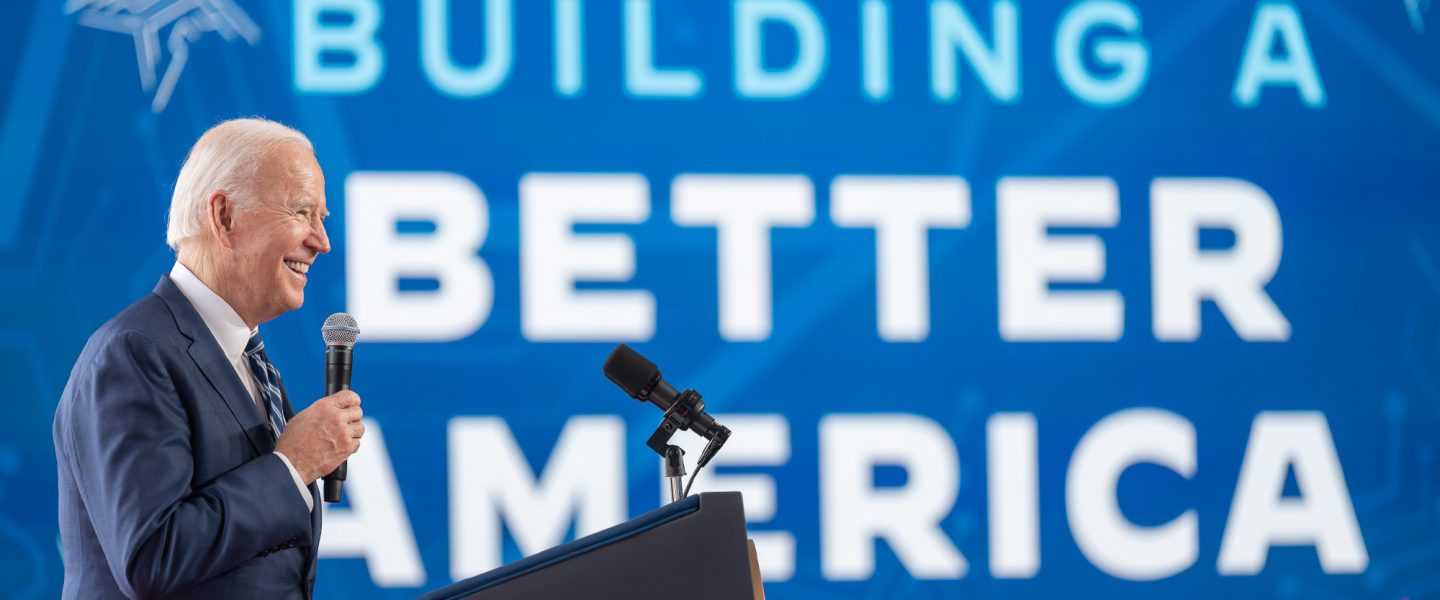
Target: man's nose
318,240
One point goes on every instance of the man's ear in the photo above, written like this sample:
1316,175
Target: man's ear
222,218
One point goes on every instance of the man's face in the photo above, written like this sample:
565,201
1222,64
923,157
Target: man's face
276,241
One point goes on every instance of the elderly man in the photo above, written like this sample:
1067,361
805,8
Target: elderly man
184,471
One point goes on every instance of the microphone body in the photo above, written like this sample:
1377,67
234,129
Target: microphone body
340,333
337,377
337,368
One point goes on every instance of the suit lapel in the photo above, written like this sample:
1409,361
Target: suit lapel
208,356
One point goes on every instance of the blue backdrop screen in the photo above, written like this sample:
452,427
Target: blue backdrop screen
1014,299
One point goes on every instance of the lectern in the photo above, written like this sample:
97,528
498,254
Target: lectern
694,548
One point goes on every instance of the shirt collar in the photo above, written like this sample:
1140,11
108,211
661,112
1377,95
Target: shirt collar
222,320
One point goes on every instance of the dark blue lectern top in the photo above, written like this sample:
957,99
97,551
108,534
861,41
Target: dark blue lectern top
559,554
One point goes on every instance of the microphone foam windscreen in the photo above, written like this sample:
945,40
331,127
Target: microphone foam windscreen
631,371
340,330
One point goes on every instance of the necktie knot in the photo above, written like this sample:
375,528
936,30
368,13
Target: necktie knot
255,344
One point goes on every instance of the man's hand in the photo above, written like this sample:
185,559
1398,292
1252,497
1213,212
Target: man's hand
322,436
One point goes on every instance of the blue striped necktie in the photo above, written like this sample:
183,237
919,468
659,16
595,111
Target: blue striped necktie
267,379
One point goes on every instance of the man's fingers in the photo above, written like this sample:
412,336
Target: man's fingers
346,399
357,431
351,415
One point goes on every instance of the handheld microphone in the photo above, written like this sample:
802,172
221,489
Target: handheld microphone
340,333
641,380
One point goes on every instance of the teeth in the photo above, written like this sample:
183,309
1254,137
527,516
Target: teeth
298,266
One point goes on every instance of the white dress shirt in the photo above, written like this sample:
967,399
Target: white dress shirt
232,334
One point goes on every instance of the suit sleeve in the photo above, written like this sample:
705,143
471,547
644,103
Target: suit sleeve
130,448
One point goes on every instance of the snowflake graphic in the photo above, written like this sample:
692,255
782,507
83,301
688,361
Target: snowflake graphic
147,21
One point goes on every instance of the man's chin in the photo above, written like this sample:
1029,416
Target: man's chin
292,300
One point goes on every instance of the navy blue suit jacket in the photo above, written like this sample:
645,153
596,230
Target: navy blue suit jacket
168,484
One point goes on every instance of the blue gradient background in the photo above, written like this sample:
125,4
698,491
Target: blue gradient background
88,170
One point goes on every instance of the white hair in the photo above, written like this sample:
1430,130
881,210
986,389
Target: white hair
226,158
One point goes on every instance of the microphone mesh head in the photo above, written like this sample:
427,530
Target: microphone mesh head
631,371
340,330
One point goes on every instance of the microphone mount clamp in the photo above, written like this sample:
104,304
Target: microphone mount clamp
678,417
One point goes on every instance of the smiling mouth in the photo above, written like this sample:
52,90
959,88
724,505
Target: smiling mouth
297,266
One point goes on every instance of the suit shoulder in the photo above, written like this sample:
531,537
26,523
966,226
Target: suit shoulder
148,319
137,336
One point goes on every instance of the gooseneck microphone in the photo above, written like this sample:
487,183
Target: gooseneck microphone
641,380
340,333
